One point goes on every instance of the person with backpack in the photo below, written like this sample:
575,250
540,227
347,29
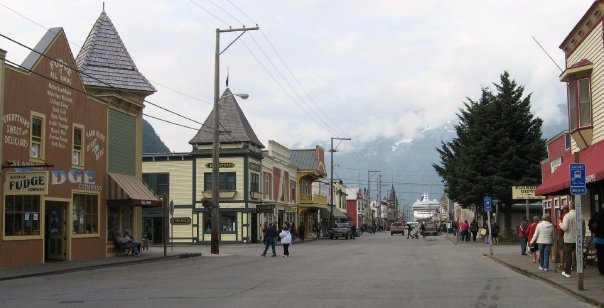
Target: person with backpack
522,235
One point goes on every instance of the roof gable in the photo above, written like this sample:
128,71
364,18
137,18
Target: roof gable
105,62
231,120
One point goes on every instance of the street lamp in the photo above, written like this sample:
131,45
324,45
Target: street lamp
331,180
215,241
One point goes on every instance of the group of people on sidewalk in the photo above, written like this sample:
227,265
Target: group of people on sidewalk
471,230
538,237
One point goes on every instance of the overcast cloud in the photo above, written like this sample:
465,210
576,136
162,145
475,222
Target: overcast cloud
359,69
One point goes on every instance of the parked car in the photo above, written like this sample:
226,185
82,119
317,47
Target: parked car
430,229
397,228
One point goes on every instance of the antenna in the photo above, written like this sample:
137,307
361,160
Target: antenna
550,57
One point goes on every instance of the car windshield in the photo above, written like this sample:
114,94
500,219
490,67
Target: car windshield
342,225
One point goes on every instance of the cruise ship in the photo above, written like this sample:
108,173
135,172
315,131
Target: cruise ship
424,208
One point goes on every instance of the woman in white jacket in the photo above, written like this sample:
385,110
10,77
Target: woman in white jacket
544,236
286,240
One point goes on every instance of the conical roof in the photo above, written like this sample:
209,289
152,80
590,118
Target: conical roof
104,60
233,124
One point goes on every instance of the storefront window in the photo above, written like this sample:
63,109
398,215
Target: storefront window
228,222
22,215
85,213
119,218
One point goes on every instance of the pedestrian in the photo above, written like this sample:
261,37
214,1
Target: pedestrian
544,237
485,232
529,234
286,240
317,230
263,230
569,226
409,229
422,229
293,231
495,232
521,233
560,235
353,231
464,231
474,229
596,225
270,235
301,231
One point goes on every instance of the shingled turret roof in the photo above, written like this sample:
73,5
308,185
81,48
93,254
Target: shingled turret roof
231,120
104,60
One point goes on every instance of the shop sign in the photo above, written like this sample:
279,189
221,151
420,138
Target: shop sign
255,167
26,183
265,208
525,193
291,210
180,220
221,165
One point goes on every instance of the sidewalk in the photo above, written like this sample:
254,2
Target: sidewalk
509,255
155,253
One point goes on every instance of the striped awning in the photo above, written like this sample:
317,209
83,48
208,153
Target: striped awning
126,188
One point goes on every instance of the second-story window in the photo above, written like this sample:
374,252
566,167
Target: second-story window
77,157
292,187
267,185
37,142
226,181
255,182
579,104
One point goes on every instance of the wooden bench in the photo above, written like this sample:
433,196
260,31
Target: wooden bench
123,249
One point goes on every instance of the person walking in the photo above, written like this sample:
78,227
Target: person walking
286,240
569,226
464,231
560,236
495,235
521,233
409,229
529,234
544,237
270,235
353,231
474,229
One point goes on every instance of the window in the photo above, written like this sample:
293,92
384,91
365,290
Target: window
579,104
226,181
566,141
37,142
119,218
85,214
292,187
159,183
77,157
255,182
267,186
22,215
228,222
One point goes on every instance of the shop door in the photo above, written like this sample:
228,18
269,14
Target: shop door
154,230
254,227
56,230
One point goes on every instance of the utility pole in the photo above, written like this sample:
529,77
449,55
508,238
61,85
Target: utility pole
331,180
215,241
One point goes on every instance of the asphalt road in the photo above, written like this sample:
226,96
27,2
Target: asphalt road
372,271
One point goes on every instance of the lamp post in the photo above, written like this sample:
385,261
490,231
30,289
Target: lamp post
331,180
215,241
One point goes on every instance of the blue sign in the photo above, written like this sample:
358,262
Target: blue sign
488,204
577,175
577,179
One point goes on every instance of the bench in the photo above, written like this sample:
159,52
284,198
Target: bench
123,249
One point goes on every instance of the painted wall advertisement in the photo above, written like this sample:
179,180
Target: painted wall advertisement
26,183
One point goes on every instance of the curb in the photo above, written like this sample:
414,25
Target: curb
552,283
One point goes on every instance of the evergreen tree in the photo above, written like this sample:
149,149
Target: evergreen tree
498,145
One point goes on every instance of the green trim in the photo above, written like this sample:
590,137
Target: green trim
246,180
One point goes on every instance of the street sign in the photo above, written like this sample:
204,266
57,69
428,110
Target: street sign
525,193
577,179
488,204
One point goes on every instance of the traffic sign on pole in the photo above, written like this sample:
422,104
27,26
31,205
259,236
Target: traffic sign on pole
488,204
577,179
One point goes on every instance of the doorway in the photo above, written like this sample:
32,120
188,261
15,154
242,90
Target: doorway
254,227
55,243
153,229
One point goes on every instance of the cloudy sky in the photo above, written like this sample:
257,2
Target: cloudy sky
321,69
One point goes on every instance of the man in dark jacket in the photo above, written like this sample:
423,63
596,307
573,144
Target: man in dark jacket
474,229
271,235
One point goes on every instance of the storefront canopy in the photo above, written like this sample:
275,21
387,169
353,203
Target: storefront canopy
125,188
337,214
560,179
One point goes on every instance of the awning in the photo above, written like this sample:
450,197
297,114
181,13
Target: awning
125,188
560,179
557,181
337,214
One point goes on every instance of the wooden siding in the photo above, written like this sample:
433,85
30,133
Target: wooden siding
180,174
239,170
591,49
122,142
